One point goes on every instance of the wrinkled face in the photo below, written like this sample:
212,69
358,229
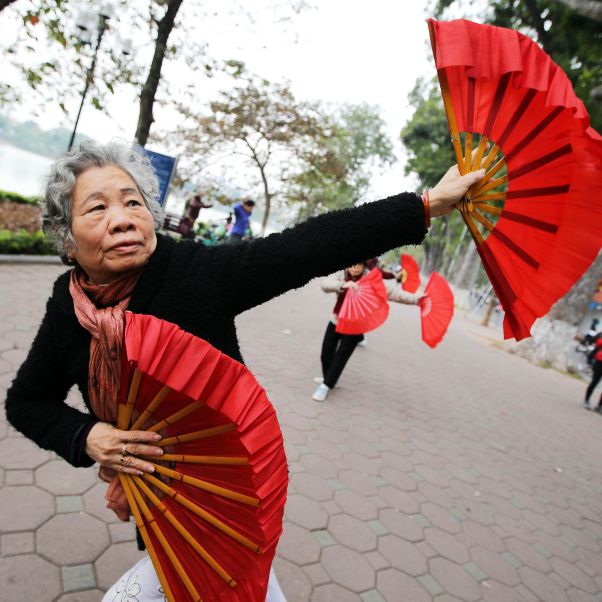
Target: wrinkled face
356,270
114,230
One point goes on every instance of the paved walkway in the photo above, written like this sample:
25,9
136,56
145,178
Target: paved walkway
461,473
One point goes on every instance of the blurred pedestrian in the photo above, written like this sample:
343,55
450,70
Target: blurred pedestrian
596,376
193,208
242,221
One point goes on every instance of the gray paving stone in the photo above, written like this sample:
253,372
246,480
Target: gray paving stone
333,593
78,577
378,527
19,454
298,545
69,539
541,585
324,538
24,507
294,582
401,525
500,567
352,533
17,584
348,568
87,596
431,585
119,532
60,478
475,571
69,503
13,544
402,555
19,477
454,579
372,596
114,562
305,512
316,574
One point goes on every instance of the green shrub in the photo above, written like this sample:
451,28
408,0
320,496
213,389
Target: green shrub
19,198
24,243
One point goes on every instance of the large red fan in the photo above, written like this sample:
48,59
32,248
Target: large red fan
366,308
211,514
410,273
436,309
536,216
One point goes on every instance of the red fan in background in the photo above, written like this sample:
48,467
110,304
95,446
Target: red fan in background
436,309
410,273
366,308
536,216
211,514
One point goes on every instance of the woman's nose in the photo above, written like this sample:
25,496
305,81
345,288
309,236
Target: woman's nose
120,219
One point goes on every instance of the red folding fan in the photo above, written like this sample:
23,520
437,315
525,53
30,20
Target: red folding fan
366,308
536,216
410,273
211,514
436,309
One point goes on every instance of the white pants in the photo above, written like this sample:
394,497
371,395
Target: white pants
141,584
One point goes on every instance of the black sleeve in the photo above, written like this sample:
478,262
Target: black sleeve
257,271
35,402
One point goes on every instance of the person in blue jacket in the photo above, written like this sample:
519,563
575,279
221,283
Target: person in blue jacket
242,216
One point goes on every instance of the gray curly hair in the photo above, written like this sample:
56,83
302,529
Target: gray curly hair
56,207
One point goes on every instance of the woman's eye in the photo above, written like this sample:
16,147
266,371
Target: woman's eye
134,203
97,208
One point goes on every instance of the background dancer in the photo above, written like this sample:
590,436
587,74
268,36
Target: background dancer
337,348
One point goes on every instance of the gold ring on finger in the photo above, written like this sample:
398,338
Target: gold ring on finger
124,450
122,460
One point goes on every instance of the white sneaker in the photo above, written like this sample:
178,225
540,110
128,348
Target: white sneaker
363,343
321,393
318,379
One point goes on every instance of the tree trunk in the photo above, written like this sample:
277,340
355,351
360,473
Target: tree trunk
490,307
462,276
587,8
147,96
267,199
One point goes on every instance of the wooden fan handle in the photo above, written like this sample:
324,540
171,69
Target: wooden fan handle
198,548
125,483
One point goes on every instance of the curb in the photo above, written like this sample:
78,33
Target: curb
31,259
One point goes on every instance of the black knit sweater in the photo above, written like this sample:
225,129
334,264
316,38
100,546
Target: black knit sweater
201,289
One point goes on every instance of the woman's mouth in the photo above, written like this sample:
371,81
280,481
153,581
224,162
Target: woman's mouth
125,247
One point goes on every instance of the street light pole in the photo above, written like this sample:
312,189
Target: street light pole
102,27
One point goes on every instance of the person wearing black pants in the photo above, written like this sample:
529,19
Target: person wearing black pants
596,376
337,348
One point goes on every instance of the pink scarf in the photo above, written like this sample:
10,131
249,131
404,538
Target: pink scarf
100,310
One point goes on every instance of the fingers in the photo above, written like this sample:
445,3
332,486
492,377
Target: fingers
139,436
118,450
132,465
132,446
473,177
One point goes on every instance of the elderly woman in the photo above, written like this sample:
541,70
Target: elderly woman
101,209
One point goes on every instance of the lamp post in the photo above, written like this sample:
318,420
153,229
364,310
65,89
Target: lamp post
106,11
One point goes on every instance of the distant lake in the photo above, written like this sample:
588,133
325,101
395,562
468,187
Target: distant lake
21,171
